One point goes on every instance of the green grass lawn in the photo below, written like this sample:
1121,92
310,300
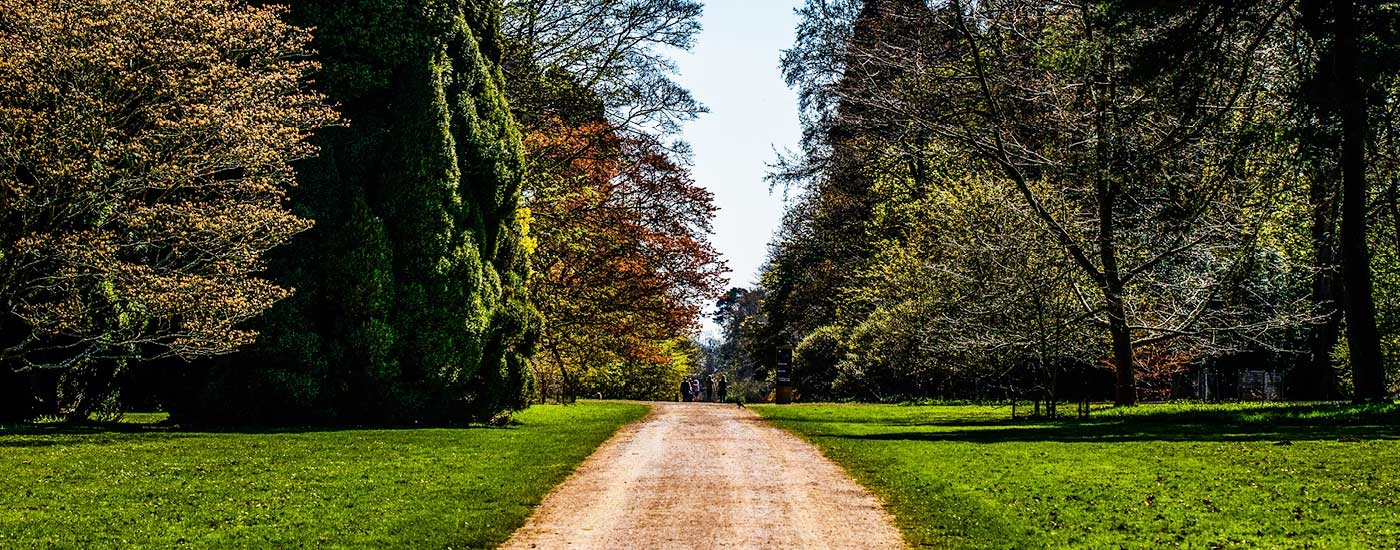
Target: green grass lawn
1234,476
140,486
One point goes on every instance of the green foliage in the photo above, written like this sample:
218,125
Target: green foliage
412,303
146,151
995,198
133,486
616,52
1143,477
815,361
737,352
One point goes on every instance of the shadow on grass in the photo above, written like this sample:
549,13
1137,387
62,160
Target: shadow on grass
182,430
914,423
24,443
1329,422
1130,433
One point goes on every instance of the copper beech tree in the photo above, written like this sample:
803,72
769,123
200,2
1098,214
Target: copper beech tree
145,153
622,263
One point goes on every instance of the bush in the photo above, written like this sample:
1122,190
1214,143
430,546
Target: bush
816,360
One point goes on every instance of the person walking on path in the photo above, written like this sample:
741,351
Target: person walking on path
723,389
694,389
685,391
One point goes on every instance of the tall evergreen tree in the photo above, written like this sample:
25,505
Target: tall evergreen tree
412,304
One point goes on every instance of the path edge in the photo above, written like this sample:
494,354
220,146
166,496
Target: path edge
885,505
621,430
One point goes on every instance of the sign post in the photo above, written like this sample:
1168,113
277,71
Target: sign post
784,391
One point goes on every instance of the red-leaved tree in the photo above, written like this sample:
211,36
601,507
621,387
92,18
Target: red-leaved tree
622,263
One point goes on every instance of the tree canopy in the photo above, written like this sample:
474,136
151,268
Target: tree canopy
991,189
375,211
146,154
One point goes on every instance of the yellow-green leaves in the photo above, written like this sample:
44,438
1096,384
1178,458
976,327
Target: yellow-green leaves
145,150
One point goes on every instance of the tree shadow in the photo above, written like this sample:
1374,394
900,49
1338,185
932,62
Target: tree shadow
1121,434
949,422
26,443
1343,423
174,430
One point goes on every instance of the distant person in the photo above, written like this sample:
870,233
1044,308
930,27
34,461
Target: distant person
685,391
694,389
723,389
714,395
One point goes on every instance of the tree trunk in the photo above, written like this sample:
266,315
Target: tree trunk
1121,335
567,391
1107,191
1363,339
1126,390
1316,379
1393,204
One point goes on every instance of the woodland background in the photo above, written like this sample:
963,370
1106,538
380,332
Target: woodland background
439,211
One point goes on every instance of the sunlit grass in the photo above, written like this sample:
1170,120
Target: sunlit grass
140,486
1179,475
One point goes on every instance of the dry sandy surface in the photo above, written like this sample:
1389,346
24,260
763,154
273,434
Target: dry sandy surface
701,475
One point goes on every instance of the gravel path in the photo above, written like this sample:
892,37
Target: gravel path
701,475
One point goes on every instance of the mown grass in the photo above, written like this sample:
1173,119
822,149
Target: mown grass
140,486
1193,476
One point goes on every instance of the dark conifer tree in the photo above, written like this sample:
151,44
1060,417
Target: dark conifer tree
410,302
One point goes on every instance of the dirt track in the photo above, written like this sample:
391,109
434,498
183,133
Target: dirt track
696,475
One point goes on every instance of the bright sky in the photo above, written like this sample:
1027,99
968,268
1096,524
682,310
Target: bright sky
734,71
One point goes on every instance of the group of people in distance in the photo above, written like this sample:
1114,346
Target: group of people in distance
705,388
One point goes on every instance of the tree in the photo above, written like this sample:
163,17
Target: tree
620,232
622,259
1363,339
971,301
737,315
413,305
827,236
1340,63
1141,173
145,150
615,50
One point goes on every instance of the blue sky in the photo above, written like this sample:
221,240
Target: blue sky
733,70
